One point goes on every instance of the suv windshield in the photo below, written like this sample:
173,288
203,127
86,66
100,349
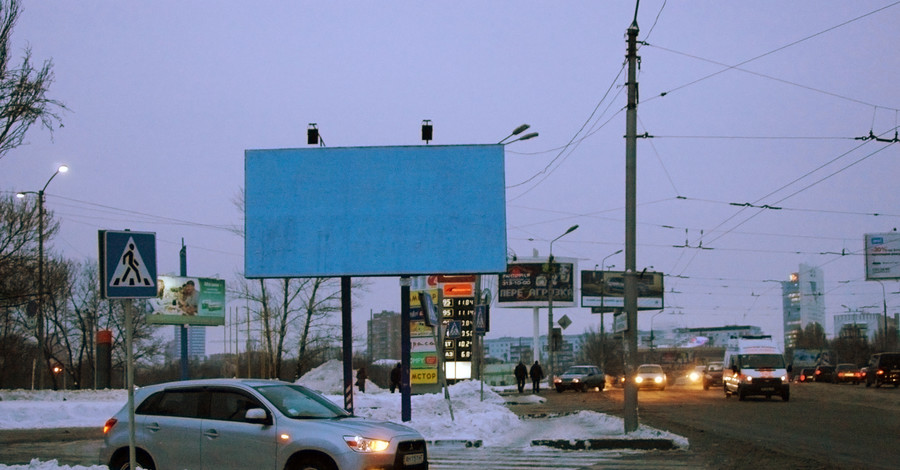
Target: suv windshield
762,361
297,402
649,369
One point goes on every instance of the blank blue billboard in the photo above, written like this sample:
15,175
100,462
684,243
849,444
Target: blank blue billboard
375,211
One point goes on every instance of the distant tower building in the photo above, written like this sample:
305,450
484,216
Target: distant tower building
196,342
803,302
384,336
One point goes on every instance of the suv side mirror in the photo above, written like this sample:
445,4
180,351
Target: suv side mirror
257,415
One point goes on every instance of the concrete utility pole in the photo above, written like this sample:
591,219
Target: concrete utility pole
631,393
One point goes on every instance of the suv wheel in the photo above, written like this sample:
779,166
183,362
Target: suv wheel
121,462
311,463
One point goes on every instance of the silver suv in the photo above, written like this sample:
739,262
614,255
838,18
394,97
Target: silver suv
253,424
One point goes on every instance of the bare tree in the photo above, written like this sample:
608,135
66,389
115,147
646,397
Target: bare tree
23,88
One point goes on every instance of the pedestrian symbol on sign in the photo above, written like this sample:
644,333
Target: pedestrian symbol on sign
454,329
131,270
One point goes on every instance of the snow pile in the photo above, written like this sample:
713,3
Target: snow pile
27,409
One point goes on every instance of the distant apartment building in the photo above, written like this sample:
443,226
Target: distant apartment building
512,350
384,336
803,301
861,324
196,342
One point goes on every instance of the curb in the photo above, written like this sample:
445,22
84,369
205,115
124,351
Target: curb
455,443
606,444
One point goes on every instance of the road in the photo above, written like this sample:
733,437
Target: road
823,426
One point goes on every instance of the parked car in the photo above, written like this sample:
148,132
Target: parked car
253,423
806,375
847,373
650,376
824,373
884,368
712,376
581,378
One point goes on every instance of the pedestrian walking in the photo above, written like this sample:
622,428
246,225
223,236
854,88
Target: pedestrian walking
361,379
521,374
537,374
395,377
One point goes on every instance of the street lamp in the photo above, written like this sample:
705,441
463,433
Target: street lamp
40,310
516,132
550,284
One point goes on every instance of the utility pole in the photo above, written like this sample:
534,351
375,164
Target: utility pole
631,393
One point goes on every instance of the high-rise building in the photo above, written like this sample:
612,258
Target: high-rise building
196,342
803,302
384,336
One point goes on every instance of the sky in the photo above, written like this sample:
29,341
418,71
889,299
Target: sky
488,420
757,103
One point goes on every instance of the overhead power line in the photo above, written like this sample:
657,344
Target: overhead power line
786,46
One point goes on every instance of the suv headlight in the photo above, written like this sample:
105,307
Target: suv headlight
366,445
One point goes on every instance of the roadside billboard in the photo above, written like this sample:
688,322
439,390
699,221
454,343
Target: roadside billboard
188,301
526,283
374,211
882,256
605,290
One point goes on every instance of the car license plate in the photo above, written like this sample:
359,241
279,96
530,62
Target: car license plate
413,459
768,389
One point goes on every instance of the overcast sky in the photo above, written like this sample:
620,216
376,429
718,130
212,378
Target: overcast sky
165,96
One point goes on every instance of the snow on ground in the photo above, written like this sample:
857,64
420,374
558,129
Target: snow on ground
487,420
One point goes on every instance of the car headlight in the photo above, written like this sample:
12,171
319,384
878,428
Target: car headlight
638,379
695,376
366,445
658,379
575,381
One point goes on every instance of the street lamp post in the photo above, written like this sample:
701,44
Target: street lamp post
40,309
604,268
652,337
550,286
884,310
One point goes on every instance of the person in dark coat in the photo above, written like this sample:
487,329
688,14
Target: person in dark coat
361,379
395,378
521,374
536,373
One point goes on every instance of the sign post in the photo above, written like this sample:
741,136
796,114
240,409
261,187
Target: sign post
128,271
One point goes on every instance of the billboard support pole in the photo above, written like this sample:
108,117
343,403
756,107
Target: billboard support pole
347,333
405,401
536,336
185,369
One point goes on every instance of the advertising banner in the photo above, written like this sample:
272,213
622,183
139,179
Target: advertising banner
605,290
882,256
527,283
188,301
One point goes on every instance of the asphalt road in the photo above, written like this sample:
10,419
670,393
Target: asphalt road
823,426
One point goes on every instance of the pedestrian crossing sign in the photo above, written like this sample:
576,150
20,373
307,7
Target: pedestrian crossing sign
127,264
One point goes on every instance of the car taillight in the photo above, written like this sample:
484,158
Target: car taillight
818,372
109,425
879,372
